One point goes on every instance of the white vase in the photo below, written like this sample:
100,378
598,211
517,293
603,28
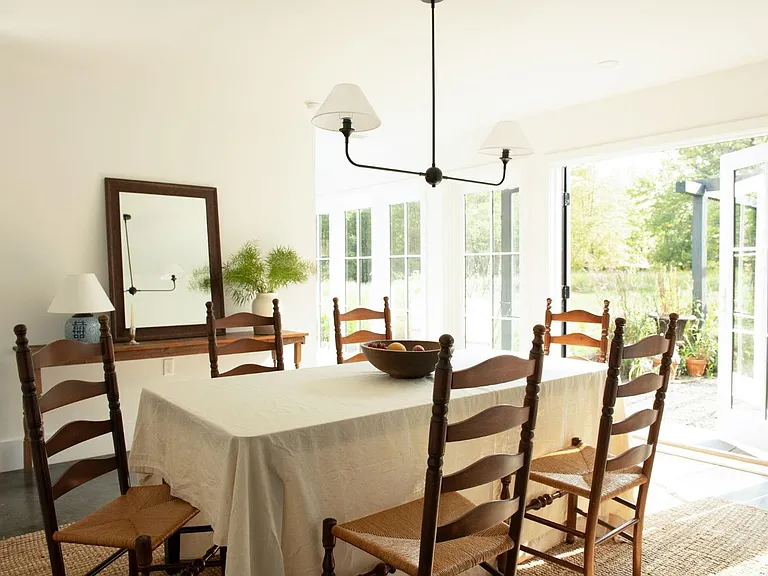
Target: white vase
262,304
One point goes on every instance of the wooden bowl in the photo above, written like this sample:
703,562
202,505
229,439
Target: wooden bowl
404,364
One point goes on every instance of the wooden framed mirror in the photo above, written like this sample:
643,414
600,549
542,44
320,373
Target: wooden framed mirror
160,240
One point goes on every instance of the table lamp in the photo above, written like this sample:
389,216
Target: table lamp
82,296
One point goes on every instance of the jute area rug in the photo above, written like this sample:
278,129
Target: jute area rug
706,538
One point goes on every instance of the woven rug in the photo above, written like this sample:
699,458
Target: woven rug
706,538
27,555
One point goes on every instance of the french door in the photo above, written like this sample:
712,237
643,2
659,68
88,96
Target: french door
743,333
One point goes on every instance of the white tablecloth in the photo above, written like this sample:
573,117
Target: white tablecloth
266,457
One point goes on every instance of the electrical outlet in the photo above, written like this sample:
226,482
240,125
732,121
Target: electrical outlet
167,366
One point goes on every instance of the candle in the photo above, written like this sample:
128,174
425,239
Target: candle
133,322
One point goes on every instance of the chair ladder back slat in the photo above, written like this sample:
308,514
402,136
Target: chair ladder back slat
637,421
73,433
647,347
244,346
576,339
359,357
631,457
81,472
70,391
643,384
361,314
362,336
490,421
496,370
244,320
483,471
482,517
244,369
578,316
62,352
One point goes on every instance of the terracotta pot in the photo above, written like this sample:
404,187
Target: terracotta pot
696,366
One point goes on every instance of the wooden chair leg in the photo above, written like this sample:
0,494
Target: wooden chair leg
590,537
223,554
329,543
173,551
573,502
637,549
133,569
144,555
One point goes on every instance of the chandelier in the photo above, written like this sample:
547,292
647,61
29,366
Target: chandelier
347,110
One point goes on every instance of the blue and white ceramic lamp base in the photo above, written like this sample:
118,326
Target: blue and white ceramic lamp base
83,328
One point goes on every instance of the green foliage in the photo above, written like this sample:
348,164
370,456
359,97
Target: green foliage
200,280
285,266
247,272
700,341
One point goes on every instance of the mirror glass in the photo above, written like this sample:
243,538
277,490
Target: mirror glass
164,240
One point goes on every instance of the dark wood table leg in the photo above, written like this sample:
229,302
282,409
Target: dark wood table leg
297,355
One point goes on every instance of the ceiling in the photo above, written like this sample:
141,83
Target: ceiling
497,59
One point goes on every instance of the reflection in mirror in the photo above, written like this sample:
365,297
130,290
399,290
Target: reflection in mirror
163,239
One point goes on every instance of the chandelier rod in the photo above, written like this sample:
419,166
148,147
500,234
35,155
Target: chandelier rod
434,153
434,175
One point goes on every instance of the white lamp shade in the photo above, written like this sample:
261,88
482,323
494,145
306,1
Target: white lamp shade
80,294
506,135
346,101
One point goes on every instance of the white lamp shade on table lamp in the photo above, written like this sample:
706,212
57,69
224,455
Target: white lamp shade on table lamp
346,101
82,296
506,135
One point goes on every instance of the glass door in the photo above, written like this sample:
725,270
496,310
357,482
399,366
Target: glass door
743,334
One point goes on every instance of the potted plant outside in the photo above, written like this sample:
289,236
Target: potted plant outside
250,277
698,347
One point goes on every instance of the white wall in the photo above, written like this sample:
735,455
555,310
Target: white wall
199,115
716,106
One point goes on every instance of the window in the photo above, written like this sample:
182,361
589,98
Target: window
358,265
325,311
405,283
492,269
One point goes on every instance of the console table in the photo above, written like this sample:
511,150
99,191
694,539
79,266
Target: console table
162,349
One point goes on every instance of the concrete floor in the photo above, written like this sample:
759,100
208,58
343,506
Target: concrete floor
675,481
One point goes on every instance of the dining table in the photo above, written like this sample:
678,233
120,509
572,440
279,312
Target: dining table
266,457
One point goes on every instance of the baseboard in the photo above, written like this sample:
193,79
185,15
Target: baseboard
11,451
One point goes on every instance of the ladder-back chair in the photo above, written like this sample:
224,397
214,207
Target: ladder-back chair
444,533
245,344
577,338
139,520
592,473
360,336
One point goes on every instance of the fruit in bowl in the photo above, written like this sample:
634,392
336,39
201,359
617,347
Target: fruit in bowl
403,358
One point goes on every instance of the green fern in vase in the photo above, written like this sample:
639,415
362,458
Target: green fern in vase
247,272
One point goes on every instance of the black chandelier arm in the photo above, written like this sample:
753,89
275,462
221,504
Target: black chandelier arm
346,149
499,183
